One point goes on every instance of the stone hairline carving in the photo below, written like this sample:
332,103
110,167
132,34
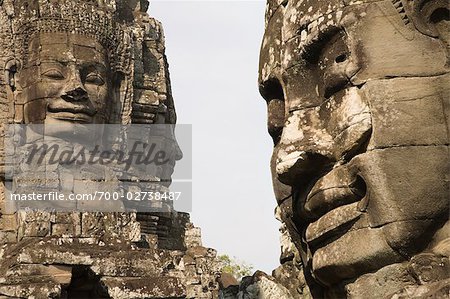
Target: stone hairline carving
96,21
100,27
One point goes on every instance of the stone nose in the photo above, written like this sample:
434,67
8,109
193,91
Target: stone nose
300,167
305,149
178,152
76,94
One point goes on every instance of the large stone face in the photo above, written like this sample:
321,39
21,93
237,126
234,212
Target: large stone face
69,63
358,108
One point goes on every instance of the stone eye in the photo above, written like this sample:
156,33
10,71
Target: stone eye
54,74
95,79
341,58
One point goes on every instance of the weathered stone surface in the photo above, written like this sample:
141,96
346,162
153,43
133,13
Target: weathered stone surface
425,275
31,290
193,237
258,286
144,287
394,279
227,280
125,269
358,109
262,286
439,289
60,274
291,276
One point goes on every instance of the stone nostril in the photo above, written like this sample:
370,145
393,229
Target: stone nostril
296,169
80,91
358,186
77,94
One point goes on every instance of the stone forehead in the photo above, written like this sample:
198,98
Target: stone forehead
308,18
64,47
294,25
309,10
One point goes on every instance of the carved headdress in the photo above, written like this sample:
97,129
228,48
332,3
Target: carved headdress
96,19
122,27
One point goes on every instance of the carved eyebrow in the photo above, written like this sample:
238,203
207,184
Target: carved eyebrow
313,47
86,64
58,62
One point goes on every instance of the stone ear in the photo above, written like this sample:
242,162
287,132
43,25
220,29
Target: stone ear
427,13
12,66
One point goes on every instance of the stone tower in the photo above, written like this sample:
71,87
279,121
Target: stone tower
70,63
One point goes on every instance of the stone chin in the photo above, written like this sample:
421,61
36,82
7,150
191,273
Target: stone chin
365,250
338,261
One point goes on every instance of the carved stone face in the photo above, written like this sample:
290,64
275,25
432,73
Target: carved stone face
358,109
65,80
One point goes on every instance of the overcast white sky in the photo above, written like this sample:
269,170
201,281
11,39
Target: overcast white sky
213,50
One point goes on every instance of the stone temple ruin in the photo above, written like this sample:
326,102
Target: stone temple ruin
358,109
98,62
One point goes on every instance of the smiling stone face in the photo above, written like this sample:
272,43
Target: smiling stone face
73,81
358,112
